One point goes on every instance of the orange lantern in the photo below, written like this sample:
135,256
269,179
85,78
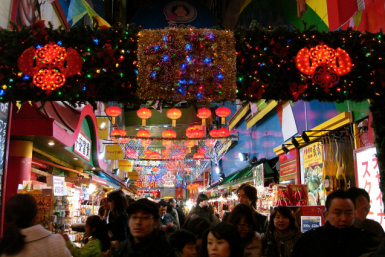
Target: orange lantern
210,143
223,112
223,132
147,152
169,134
146,143
143,133
155,155
166,152
204,113
177,156
214,133
144,113
139,168
189,144
194,133
174,114
113,111
117,133
198,156
165,157
167,143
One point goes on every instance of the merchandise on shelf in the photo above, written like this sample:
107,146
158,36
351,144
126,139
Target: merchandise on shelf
291,195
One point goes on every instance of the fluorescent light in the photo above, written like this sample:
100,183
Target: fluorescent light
76,158
91,188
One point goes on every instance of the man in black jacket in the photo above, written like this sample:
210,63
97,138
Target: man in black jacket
181,215
145,239
338,237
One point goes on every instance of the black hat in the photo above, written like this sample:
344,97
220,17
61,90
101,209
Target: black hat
146,205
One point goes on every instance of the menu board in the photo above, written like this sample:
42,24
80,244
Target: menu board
4,114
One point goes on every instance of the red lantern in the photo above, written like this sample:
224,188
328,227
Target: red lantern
144,113
210,143
167,143
166,152
118,132
169,134
146,143
113,111
155,155
189,144
147,152
223,132
139,168
143,133
198,156
123,140
223,112
202,150
214,133
174,114
177,156
194,133
204,113
155,169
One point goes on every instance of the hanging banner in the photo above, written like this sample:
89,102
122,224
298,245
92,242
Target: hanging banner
206,176
288,166
312,168
368,178
114,152
259,175
179,193
102,128
124,165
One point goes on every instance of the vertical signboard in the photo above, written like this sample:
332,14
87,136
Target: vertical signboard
312,168
368,178
4,116
288,167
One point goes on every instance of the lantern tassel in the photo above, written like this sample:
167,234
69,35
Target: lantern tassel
173,123
223,120
203,122
143,122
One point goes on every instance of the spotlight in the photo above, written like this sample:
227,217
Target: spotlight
305,137
295,142
243,156
284,149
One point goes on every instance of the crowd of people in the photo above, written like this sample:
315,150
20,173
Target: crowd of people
128,228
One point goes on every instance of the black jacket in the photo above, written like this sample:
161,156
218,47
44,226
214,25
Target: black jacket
155,246
331,241
181,215
119,228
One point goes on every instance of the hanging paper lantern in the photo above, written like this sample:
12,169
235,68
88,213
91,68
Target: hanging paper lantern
169,134
155,155
214,133
167,143
210,143
166,157
204,113
194,133
189,144
144,113
223,112
147,152
113,111
146,143
143,133
117,133
202,150
123,140
198,156
223,132
174,114
177,156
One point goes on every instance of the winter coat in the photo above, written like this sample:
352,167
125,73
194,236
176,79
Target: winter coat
119,227
279,245
253,247
91,249
205,213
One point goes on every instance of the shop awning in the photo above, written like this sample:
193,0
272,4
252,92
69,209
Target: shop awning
226,180
244,175
213,185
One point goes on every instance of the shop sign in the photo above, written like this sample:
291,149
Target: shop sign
179,193
124,165
312,171
258,175
102,127
288,166
141,184
368,178
58,185
114,152
83,146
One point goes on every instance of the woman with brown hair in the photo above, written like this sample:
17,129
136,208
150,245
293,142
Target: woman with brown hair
282,233
119,225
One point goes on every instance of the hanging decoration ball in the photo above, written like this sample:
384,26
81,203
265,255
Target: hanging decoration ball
146,143
113,111
204,113
143,133
214,133
198,156
174,114
166,152
144,113
223,112
189,144
210,143
167,143
223,132
169,134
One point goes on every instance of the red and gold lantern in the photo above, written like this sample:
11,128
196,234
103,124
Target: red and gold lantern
146,143
143,133
155,155
167,143
174,114
223,132
189,144
147,152
223,112
214,133
204,113
117,133
166,152
113,111
198,156
169,134
144,113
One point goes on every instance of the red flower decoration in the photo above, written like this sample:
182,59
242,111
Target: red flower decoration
38,30
297,91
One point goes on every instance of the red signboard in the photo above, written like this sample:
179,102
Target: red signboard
288,166
179,193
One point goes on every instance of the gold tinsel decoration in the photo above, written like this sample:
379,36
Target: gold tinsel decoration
186,64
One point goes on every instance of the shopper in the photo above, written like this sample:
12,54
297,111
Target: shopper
197,225
181,215
242,218
167,223
361,200
23,237
202,209
118,226
185,242
98,242
247,194
338,237
282,233
172,211
222,240
104,210
145,239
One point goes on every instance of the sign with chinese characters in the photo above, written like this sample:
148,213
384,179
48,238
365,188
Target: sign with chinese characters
368,178
83,146
113,152
288,166
258,175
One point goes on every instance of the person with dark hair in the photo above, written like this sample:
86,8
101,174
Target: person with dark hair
171,210
222,240
104,210
178,213
167,223
185,242
97,244
145,240
118,226
242,218
202,209
361,200
338,237
282,233
23,237
197,225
